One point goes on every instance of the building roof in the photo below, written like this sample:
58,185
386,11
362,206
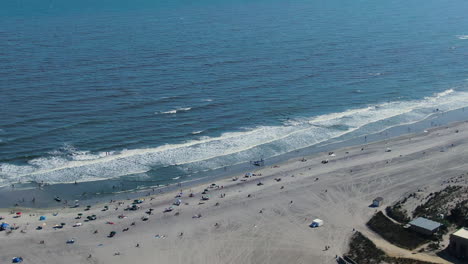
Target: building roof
463,233
378,199
425,223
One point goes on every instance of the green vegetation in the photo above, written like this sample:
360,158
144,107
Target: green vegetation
397,213
364,251
445,207
459,214
395,233
437,203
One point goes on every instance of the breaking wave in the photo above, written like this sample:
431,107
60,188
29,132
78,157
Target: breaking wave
69,164
441,94
175,111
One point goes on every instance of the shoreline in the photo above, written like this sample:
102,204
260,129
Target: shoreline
172,189
264,219
98,194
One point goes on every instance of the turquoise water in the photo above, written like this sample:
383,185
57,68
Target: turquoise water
158,91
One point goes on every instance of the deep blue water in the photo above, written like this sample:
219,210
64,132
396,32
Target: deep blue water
150,90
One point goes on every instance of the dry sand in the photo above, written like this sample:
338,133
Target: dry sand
234,231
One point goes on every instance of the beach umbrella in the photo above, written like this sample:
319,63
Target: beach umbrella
42,218
18,213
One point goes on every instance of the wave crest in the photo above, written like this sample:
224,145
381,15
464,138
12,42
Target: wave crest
175,111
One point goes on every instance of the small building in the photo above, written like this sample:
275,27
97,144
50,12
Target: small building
458,246
377,202
424,226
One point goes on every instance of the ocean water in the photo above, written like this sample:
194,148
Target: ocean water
159,91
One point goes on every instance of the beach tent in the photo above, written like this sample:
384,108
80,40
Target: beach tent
4,226
17,260
42,218
316,223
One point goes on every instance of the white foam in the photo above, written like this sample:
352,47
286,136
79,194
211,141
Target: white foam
70,164
175,111
170,112
197,132
441,94
375,73
462,36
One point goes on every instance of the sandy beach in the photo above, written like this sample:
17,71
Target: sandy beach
255,219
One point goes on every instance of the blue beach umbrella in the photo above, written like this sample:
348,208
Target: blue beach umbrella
42,218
